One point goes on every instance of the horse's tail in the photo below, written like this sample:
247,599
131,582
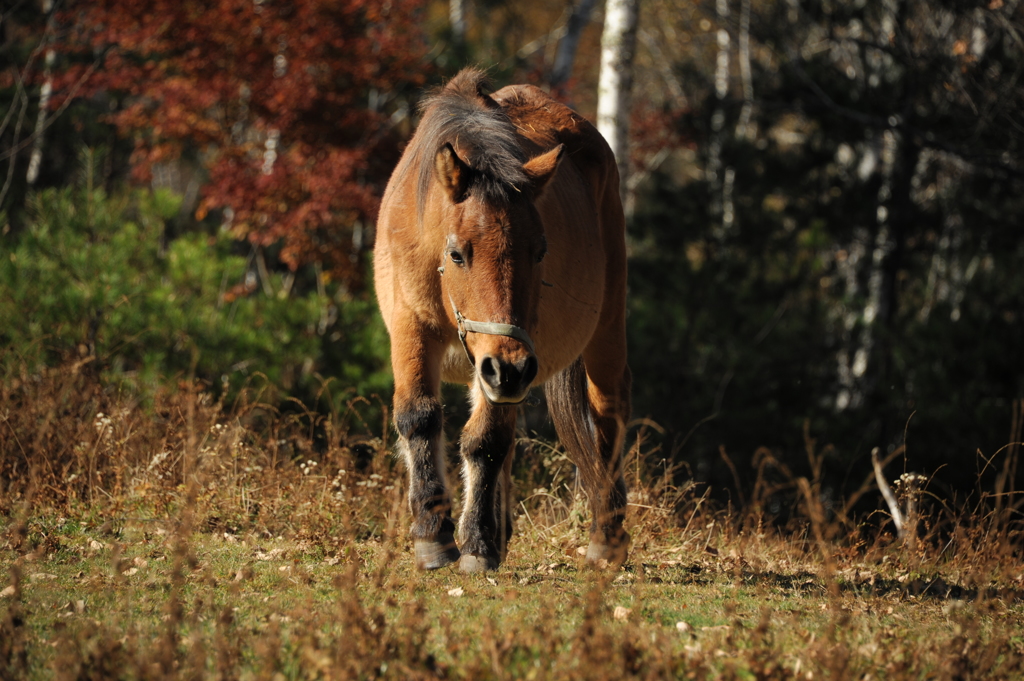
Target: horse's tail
569,407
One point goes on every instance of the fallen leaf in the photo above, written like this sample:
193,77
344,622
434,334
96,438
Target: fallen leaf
621,612
272,554
41,577
492,581
456,592
684,627
130,571
8,591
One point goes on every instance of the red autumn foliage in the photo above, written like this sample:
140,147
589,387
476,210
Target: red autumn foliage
287,104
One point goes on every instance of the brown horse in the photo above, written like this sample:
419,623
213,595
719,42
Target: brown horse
501,264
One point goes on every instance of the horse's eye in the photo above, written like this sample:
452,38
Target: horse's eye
542,252
456,257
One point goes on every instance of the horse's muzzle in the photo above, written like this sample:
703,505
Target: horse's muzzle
506,382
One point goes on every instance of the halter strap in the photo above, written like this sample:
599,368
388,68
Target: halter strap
466,326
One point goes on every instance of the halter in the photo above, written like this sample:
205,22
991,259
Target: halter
489,328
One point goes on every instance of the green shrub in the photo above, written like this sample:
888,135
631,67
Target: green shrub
90,278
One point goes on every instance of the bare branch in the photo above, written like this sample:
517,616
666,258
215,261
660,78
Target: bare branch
565,56
887,494
921,137
556,33
57,114
17,134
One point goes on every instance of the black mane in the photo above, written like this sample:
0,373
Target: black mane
481,133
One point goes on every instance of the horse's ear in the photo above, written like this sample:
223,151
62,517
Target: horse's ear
452,173
542,168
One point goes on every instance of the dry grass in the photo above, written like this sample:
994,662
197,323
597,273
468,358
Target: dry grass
186,538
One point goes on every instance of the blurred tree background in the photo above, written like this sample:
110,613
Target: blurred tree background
824,196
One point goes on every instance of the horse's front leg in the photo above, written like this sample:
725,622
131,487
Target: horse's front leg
419,420
487,443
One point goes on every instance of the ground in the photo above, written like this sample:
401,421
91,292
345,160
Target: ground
184,539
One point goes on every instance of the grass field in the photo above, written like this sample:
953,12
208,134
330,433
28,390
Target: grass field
186,539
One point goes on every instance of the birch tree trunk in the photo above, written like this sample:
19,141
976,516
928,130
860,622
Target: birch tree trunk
618,48
743,131
565,57
856,375
719,180
860,365
36,157
457,20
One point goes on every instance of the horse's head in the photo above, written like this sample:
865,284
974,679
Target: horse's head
491,262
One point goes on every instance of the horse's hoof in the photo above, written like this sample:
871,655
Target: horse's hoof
470,563
602,556
431,555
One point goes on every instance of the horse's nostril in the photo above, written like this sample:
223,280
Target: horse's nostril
529,370
489,367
